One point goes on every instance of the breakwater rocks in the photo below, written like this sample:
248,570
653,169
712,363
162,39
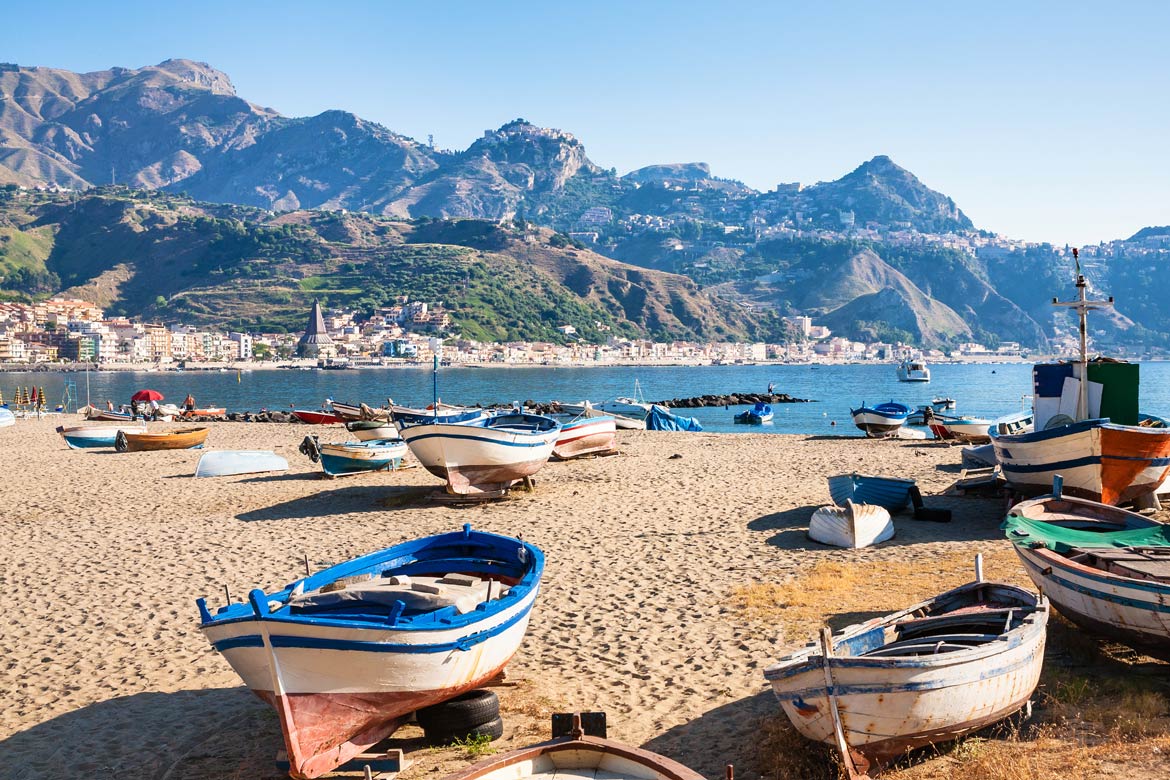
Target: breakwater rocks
733,399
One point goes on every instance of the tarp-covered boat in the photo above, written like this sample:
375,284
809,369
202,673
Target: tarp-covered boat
347,654
660,418
1104,568
757,415
926,674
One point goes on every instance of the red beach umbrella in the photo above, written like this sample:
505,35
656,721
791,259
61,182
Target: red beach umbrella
147,395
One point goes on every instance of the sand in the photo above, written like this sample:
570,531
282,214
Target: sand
102,555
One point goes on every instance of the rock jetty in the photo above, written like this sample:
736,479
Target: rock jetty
732,399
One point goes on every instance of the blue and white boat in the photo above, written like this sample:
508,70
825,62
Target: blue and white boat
881,420
226,463
406,416
355,457
758,415
484,454
1105,569
94,435
6,418
893,493
346,655
930,673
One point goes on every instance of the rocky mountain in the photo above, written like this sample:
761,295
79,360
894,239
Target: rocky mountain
171,258
850,251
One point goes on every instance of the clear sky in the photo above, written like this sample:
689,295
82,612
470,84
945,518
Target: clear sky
1042,120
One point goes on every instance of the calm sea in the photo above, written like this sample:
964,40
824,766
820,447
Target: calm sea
985,390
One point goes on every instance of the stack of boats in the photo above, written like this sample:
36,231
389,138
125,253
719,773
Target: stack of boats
860,514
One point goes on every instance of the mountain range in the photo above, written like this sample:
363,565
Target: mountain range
709,255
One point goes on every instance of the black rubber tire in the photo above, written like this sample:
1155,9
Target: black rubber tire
463,712
493,730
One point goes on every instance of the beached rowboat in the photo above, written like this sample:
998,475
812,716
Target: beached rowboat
854,525
486,453
927,674
355,457
226,463
91,436
1104,568
93,413
149,441
893,493
586,436
347,654
577,756
881,420
316,418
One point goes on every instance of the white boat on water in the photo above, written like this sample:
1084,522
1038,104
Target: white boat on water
913,370
632,406
929,673
486,453
853,525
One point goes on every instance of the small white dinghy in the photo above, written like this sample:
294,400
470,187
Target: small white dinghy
226,463
852,525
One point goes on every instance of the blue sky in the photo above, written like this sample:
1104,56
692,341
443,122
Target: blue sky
1043,121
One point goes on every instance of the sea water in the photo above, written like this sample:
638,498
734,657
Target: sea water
980,390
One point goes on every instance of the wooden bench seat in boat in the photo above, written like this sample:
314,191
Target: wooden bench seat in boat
1143,563
931,645
418,594
997,619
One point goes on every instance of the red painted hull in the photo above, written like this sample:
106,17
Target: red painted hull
324,730
1124,456
316,418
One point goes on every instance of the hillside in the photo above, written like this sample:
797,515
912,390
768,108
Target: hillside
170,258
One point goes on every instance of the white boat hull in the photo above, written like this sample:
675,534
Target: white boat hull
877,425
853,526
586,436
475,459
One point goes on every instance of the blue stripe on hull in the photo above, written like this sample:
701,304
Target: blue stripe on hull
541,443
88,443
973,673
335,466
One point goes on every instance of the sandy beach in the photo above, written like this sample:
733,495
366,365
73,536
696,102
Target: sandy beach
650,608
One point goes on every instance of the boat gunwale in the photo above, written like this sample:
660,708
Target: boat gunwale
669,768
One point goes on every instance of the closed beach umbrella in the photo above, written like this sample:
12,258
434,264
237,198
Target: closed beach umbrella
147,395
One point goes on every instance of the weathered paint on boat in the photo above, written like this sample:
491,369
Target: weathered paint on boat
854,525
344,669
893,493
895,684
1098,460
586,436
85,437
484,454
577,757
226,463
371,430
1125,600
355,457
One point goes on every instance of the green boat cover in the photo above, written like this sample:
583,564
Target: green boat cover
1021,530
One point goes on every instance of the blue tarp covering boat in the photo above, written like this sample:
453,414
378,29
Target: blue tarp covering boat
659,418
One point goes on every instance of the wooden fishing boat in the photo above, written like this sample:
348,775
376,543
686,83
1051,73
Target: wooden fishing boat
371,430
316,418
226,463
484,454
346,655
892,493
149,441
758,415
347,412
970,430
579,756
355,457
1087,428
1105,569
91,436
929,673
585,409
406,416
103,415
853,525
586,436
881,420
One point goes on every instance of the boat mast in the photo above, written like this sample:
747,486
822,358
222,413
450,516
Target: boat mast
1083,306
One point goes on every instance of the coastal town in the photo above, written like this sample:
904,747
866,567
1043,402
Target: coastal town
64,332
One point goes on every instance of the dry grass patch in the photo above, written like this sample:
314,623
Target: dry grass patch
837,587
781,753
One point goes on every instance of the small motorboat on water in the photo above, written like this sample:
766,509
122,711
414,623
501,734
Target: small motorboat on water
1104,568
345,655
913,370
929,673
758,415
882,420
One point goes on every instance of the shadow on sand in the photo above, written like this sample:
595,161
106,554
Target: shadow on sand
343,501
185,735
